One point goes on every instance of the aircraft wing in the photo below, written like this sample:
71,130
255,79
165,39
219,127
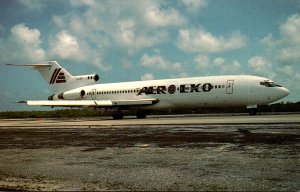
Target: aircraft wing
92,103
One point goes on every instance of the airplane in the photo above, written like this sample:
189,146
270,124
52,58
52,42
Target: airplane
142,96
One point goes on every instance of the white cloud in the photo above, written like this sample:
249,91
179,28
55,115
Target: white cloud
218,66
268,41
199,40
89,3
291,72
219,61
177,67
260,64
202,62
180,75
127,63
287,48
58,21
83,42
235,67
288,70
32,5
225,67
23,44
26,36
290,54
132,25
130,37
159,17
147,76
290,43
127,35
66,46
291,29
155,61
148,13
194,5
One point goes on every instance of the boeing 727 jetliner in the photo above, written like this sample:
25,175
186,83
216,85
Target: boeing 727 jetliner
142,96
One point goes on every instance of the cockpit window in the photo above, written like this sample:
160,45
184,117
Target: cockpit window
269,84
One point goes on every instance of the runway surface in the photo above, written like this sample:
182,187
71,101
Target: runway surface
198,152
154,120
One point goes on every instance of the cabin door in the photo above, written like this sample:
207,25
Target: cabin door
229,87
94,92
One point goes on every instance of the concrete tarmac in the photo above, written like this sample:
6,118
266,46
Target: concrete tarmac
155,120
177,153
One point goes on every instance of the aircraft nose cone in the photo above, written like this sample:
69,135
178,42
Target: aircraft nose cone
284,91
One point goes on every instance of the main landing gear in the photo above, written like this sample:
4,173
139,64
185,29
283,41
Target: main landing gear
141,114
119,115
252,109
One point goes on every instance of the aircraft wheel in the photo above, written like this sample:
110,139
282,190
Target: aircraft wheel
253,111
118,115
141,114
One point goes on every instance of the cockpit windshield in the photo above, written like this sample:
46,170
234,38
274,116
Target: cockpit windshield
269,84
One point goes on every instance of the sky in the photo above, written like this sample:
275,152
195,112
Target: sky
129,40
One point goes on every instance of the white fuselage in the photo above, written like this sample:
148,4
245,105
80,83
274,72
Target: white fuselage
213,91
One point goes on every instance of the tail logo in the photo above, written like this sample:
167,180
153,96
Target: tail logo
57,76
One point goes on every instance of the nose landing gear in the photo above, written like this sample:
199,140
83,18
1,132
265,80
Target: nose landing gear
252,109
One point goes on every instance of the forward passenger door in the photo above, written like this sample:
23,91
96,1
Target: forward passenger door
229,86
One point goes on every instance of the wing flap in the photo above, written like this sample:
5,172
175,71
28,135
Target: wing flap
134,102
91,103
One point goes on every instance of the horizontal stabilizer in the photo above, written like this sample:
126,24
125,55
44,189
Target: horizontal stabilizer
32,65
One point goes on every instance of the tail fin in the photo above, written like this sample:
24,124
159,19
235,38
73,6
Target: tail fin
59,79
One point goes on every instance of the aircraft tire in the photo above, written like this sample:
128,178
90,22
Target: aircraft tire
141,114
252,111
118,115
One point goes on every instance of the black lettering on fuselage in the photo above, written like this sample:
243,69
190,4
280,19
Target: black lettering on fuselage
206,87
195,87
143,90
153,90
161,90
184,88
150,91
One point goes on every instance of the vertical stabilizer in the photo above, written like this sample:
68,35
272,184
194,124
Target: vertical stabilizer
59,79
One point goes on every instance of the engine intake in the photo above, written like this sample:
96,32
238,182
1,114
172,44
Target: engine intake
96,77
82,93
